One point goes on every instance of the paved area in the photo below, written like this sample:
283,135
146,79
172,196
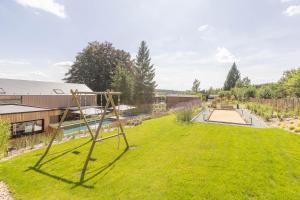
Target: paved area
227,116
249,118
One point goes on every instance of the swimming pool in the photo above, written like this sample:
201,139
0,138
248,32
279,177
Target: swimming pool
69,130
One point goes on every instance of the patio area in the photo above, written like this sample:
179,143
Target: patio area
242,117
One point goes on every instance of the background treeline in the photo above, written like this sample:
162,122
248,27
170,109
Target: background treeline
241,88
101,66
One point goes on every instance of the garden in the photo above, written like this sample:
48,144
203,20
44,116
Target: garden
169,156
167,160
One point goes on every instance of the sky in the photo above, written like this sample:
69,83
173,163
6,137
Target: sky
189,39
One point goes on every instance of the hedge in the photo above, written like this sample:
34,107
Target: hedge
4,136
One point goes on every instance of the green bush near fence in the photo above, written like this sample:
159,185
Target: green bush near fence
4,136
267,111
184,115
29,141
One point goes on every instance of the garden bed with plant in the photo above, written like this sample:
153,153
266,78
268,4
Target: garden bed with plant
16,146
275,117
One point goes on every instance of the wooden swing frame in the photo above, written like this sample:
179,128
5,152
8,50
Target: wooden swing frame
94,136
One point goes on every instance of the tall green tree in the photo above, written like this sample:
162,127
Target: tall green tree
291,82
245,82
196,86
123,81
266,92
232,77
144,76
96,64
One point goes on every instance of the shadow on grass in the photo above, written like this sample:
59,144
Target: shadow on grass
62,151
60,155
109,166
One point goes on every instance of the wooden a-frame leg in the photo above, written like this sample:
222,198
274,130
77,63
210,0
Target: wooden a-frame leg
53,137
56,131
93,143
81,113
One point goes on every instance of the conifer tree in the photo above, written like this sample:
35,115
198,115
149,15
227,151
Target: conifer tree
232,77
144,76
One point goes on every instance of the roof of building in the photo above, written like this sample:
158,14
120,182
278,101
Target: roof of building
10,109
27,87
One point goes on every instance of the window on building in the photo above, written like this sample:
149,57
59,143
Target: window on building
2,91
58,91
27,128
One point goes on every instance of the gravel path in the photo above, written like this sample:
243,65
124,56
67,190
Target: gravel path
4,192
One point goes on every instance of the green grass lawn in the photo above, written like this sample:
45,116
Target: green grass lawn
170,161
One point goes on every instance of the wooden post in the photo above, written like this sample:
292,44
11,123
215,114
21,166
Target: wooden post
53,137
81,113
93,142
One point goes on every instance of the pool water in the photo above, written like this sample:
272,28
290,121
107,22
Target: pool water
69,130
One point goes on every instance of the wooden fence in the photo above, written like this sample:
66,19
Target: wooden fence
285,104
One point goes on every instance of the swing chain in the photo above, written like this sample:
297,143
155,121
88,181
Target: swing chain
101,101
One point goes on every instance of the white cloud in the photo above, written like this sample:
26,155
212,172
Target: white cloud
38,73
63,64
223,55
181,59
203,28
286,1
14,62
32,75
177,69
292,10
50,6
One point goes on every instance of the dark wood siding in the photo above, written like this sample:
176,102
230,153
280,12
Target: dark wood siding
173,101
29,116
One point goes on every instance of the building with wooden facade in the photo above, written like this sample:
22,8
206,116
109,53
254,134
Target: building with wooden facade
30,106
173,100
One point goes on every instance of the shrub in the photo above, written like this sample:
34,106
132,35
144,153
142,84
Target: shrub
297,130
265,111
184,115
291,127
4,136
265,92
29,141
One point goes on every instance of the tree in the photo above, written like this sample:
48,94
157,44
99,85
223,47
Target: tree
144,76
245,82
244,93
123,81
266,92
96,65
232,77
196,86
291,82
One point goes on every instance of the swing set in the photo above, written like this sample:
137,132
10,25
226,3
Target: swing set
96,135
